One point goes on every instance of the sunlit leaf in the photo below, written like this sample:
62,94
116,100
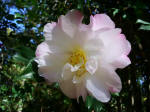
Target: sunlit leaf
144,27
142,22
115,11
27,76
20,59
18,15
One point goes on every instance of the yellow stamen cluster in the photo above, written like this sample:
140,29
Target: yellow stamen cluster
78,56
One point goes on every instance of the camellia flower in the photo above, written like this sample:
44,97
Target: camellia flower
83,58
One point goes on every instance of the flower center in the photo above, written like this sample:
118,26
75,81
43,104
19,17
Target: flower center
78,57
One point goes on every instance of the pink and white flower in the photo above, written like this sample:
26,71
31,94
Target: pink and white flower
83,58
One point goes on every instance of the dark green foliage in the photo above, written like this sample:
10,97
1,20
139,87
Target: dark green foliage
21,87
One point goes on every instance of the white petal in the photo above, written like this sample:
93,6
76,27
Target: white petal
51,68
68,88
93,46
48,28
121,62
115,45
71,89
51,74
107,75
70,22
67,69
91,65
100,21
77,80
81,90
60,41
83,34
42,50
96,89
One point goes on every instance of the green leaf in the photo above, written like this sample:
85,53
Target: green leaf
142,22
92,103
3,88
18,15
98,106
3,107
9,30
19,59
28,68
13,90
115,11
89,102
115,94
25,52
124,16
27,76
144,27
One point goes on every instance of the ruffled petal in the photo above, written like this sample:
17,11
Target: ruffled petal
50,73
121,62
97,90
50,66
48,28
104,46
42,50
91,65
115,47
100,21
93,46
107,75
63,32
67,86
70,22
60,41
66,70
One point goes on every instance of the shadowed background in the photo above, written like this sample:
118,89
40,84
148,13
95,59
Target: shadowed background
21,26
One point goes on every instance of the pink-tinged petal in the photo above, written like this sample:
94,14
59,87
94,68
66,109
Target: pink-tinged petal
60,42
93,46
97,90
115,45
74,16
91,65
109,78
48,28
114,83
100,21
121,62
83,34
68,88
50,66
126,44
50,73
112,89
100,39
42,50
70,22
